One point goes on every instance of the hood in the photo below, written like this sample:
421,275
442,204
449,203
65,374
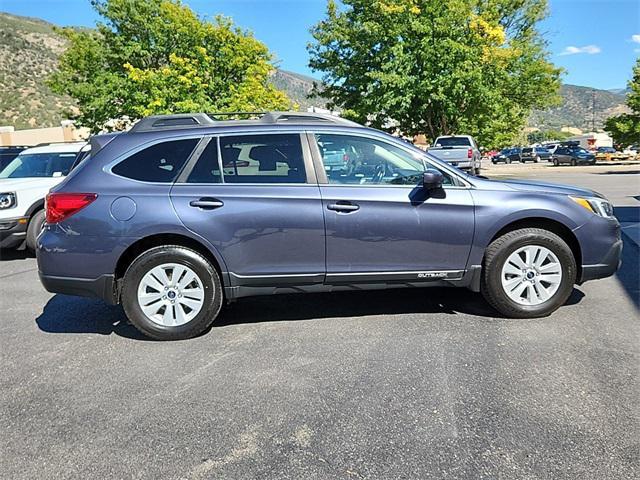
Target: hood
17,184
543,187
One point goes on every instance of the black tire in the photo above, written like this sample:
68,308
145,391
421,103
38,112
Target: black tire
573,162
555,162
497,254
536,160
34,228
507,161
208,275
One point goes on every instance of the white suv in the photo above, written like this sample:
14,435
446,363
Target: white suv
25,182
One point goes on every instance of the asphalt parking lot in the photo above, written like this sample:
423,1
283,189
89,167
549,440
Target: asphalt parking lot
368,385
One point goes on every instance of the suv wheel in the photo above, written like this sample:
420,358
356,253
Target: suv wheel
171,293
34,228
555,162
528,273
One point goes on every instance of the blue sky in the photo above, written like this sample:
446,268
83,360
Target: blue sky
596,41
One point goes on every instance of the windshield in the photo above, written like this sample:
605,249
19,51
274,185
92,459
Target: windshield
39,165
453,142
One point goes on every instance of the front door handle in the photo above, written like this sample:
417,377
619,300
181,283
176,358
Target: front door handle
207,203
343,206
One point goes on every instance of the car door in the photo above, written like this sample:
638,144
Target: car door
381,225
562,154
255,199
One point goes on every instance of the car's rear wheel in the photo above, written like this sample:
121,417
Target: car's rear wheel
536,160
573,162
555,162
528,273
171,293
34,228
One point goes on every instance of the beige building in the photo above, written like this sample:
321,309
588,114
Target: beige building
66,132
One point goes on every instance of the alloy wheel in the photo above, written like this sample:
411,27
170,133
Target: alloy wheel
171,294
531,275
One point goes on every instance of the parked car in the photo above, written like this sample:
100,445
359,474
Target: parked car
573,155
183,213
610,154
461,151
24,183
507,155
9,153
534,154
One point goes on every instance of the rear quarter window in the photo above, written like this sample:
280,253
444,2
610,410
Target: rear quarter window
159,163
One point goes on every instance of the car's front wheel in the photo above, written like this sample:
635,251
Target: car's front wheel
34,228
171,293
528,273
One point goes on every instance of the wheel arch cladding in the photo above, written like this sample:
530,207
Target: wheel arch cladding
550,225
158,240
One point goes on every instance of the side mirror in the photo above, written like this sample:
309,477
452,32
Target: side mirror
432,179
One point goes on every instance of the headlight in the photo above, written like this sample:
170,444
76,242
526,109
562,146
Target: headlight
599,206
7,200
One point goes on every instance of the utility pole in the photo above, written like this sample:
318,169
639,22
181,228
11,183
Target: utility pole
593,111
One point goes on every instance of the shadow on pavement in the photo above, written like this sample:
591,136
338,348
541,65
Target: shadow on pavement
356,304
15,254
620,172
66,314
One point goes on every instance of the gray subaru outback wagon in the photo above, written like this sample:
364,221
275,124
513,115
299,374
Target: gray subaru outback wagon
184,212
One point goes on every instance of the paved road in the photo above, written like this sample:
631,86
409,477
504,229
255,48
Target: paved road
400,384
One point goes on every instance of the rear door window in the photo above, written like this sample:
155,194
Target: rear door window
160,163
270,158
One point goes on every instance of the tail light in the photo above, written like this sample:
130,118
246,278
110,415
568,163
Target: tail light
345,158
470,153
60,206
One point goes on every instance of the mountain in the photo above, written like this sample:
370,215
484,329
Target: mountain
576,109
29,49
298,88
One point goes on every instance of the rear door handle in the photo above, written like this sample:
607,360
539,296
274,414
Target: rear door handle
207,203
343,206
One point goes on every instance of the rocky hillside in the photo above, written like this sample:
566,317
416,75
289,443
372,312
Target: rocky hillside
577,107
29,49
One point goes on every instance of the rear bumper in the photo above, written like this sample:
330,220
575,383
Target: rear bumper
102,287
607,267
13,231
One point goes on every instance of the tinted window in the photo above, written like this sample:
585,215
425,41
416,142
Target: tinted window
453,142
207,169
273,158
527,150
161,162
365,161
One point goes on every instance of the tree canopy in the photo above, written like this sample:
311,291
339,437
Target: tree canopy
437,67
157,56
625,128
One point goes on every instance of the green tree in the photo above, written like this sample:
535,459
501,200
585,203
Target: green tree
437,67
625,128
157,56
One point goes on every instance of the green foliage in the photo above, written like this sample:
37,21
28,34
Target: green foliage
546,136
157,56
625,128
437,67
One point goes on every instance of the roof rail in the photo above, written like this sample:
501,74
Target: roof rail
180,120
194,120
276,117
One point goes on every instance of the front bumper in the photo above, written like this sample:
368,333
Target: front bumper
13,231
102,287
609,265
